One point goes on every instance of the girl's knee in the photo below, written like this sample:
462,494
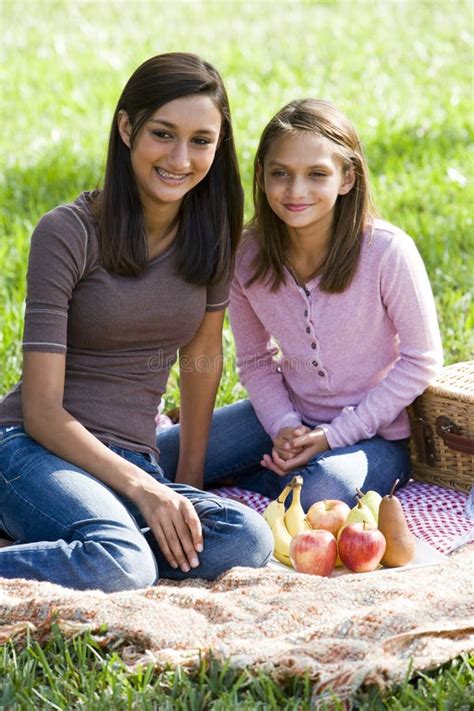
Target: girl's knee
124,565
259,543
234,535
252,543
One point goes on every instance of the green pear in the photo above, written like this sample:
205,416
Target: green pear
359,514
371,499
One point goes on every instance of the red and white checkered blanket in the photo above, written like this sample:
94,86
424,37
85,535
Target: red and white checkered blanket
434,514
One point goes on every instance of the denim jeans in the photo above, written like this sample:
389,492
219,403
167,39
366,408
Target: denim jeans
71,529
238,441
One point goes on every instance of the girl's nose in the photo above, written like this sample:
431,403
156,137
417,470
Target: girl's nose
296,187
178,158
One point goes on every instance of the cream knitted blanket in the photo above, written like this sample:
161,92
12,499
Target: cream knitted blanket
345,632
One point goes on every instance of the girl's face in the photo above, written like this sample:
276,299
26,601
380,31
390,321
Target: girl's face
302,177
174,150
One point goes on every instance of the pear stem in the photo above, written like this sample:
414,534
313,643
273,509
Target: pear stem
396,483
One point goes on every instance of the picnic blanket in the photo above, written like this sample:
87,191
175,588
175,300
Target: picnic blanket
372,628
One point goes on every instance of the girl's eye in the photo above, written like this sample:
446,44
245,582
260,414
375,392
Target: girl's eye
201,141
278,173
317,174
162,134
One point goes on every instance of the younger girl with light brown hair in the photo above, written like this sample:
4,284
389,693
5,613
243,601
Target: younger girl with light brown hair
334,323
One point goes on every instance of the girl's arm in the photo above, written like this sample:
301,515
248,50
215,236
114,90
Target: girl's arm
171,517
258,371
200,364
57,261
406,294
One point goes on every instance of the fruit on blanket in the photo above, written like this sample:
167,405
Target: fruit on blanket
274,515
314,552
330,515
400,548
361,547
295,518
371,499
359,514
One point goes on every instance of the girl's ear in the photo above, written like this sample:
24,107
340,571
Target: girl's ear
348,181
124,127
259,176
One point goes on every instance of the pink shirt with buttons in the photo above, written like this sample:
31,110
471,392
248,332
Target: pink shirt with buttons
350,362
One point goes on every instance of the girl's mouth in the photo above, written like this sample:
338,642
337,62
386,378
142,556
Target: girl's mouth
171,178
296,207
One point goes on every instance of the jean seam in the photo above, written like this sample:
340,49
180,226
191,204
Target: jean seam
217,506
6,440
9,481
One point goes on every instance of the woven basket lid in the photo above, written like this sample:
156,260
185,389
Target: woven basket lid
455,382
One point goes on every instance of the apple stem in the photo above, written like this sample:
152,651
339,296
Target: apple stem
359,493
396,483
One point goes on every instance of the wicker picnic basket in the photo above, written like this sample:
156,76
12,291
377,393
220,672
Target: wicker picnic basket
442,421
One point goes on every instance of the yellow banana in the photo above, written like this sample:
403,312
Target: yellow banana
282,540
295,517
274,515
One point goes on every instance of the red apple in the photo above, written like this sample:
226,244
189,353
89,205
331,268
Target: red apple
361,547
314,552
330,515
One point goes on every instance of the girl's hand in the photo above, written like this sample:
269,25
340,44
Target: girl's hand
174,523
284,437
311,443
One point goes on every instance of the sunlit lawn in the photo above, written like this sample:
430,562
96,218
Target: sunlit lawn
401,70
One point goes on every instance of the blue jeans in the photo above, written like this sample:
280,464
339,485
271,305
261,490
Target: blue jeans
71,529
238,441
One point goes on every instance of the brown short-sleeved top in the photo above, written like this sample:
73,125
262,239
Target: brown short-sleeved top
120,334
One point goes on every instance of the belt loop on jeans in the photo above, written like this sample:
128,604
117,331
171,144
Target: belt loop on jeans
153,459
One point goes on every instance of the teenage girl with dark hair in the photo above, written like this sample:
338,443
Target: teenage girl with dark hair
334,323
118,282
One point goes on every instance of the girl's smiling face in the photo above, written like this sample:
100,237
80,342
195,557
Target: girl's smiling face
174,150
302,178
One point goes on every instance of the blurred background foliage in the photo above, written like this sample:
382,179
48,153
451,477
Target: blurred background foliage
402,70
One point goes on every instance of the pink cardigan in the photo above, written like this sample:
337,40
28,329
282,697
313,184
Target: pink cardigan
348,362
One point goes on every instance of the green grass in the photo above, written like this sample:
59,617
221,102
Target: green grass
78,675
400,69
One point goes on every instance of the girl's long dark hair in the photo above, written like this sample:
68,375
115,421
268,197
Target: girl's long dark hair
353,211
210,219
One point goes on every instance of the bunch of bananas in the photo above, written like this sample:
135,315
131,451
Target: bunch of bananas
286,524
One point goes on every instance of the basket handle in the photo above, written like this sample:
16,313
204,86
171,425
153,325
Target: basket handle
450,433
424,441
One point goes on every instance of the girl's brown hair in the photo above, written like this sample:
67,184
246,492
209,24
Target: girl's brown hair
211,216
353,211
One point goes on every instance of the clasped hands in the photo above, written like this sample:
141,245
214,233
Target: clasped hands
293,448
